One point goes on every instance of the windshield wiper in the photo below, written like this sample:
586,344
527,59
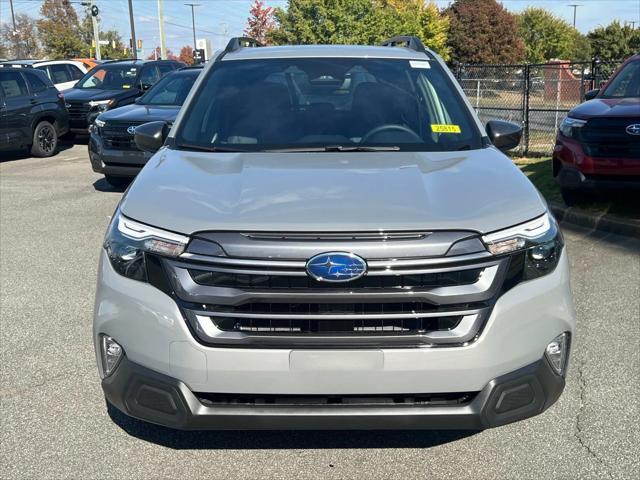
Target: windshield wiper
206,148
337,148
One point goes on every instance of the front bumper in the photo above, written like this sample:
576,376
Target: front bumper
150,396
123,163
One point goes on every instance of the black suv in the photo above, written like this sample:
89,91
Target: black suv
112,149
112,84
32,112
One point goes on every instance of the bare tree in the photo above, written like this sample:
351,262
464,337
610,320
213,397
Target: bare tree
23,42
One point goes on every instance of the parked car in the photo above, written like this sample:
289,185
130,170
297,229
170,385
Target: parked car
63,73
89,63
112,149
112,84
328,237
32,112
598,143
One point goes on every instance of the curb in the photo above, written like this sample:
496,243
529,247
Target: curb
602,222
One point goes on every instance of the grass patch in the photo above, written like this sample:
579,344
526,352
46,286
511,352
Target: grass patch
538,170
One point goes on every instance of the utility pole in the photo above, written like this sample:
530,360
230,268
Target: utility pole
193,22
163,43
13,17
574,6
134,45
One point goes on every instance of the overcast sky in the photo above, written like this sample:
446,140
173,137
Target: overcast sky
220,19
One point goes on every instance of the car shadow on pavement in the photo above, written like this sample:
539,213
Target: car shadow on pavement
24,153
102,185
283,439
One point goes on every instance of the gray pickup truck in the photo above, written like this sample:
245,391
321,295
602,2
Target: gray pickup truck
328,238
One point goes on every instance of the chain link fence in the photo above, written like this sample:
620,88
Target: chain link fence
536,96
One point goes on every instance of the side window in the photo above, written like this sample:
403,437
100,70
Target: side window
59,73
37,85
165,68
12,84
76,73
44,69
149,76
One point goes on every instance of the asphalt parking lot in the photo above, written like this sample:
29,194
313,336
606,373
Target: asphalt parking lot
54,423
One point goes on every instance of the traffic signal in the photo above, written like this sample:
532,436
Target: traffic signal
198,55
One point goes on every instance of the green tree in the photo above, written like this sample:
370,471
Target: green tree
483,31
327,22
548,37
359,22
59,30
416,17
23,42
615,41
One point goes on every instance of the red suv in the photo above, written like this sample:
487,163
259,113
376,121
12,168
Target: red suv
598,143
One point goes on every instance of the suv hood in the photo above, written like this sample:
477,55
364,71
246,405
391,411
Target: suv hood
607,107
186,192
140,113
88,94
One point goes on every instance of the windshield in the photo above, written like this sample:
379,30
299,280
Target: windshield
113,77
172,90
626,83
331,103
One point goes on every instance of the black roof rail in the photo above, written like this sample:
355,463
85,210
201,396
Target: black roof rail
408,41
236,43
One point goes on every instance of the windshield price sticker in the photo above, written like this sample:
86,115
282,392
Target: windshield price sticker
419,64
441,128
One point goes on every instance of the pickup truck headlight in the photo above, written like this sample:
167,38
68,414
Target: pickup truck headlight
99,123
128,241
539,239
571,126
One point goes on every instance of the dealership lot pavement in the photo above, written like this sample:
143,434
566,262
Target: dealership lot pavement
54,424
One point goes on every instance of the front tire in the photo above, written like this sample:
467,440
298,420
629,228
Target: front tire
45,140
118,182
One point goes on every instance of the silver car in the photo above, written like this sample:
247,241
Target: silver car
327,238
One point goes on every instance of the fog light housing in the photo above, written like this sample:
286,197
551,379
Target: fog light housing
112,353
557,353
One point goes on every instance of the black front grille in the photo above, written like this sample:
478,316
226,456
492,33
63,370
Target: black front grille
422,399
275,282
78,110
358,326
358,308
607,137
116,136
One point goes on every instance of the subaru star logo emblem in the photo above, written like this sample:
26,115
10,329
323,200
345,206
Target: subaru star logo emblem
336,267
633,129
131,130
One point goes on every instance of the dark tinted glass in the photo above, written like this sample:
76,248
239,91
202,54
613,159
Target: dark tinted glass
149,76
60,74
320,102
171,90
12,84
111,77
37,85
626,83
76,73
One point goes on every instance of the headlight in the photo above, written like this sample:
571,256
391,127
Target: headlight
127,241
102,105
570,126
539,240
99,123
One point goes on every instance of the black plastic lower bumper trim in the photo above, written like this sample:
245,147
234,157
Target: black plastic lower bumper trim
157,398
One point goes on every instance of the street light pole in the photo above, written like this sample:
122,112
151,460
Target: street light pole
13,17
574,6
193,21
134,45
96,30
